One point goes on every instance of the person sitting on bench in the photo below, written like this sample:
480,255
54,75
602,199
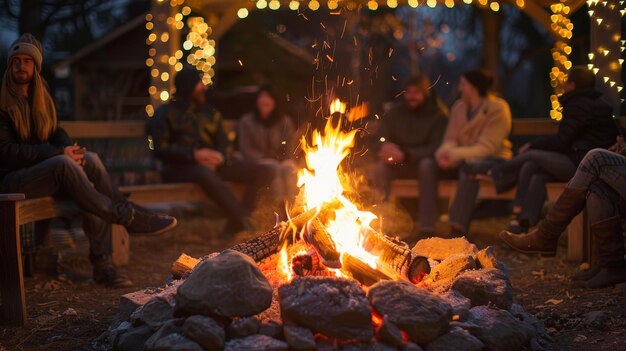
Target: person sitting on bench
475,140
587,124
268,136
37,158
599,184
188,136
409,134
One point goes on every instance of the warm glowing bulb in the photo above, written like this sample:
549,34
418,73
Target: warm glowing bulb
392,4
274,5
164,95
261,4
372,5
242,13
431,3
314,5
494,6
413,3
294,5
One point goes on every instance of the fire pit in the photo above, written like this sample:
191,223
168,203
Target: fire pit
325,279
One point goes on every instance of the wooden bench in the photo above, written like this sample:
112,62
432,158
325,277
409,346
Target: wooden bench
579,246
16,211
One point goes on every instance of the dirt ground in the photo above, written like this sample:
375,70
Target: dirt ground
68,311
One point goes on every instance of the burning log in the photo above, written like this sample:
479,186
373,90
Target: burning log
183,264
395,259
318,237
361,271
269,243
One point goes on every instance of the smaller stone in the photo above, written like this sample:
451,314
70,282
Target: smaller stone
321,345
596,319
498,329
470,327
154,313
114,334
243,327
456,340
375,346
460,304
299,338
485,286
256,343
170,327
272,329
390,333
176,342
412,347
439,248
131,301
134,339
534,326
205,331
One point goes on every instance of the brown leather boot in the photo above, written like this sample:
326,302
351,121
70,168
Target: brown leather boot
534,242
544,239
611,268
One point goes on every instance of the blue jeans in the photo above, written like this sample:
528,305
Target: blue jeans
531,171
466,193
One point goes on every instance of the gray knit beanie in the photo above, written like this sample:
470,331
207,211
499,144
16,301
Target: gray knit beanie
27,44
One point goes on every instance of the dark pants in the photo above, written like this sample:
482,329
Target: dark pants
428,173
89,186
531,171
255,176
467,191
603,174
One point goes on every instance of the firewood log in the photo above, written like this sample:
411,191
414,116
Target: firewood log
361,271
395,258
183,264
318,237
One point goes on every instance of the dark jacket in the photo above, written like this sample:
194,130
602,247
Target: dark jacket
257,140
16,154
587,124
177,131
418,133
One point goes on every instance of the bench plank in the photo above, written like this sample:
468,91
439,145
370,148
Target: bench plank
174,192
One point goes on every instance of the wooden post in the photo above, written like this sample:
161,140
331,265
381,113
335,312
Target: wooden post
13,307
121,245
577,245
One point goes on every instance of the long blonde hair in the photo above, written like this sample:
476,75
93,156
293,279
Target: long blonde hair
33,123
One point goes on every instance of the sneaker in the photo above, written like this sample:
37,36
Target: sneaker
518,226
147,223
104,273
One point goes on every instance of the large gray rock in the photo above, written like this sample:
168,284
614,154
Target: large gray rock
170,327
497,329
421,314
440,248
485,286
154,313
256,343
335,307
176,342
243,327
299,338
460,304
449,269
115,333
535,328
411,347
228,285
455,340
375,346
204,331
134,339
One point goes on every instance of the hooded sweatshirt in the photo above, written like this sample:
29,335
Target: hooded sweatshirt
417,132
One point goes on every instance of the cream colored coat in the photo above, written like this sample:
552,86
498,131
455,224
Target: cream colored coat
484,136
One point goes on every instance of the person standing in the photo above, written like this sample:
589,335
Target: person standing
267,136
587,124
409,135
188,137
475,140
38,158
